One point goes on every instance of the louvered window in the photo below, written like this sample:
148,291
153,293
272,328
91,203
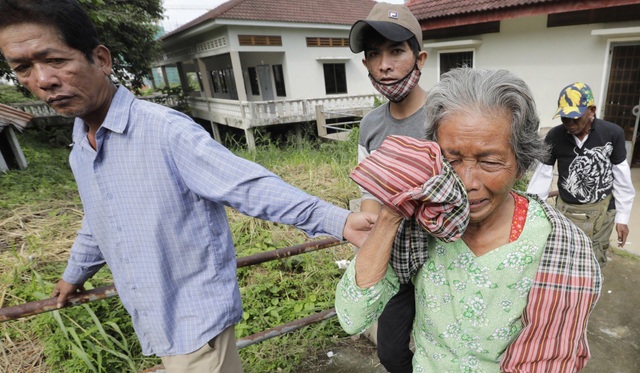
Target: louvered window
327,42
260,40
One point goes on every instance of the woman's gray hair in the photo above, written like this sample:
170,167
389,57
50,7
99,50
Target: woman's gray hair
478,90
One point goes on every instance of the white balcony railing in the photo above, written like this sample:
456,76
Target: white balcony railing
40,109
246,114
36,108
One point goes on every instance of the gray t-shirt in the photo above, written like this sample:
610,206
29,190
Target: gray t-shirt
378,124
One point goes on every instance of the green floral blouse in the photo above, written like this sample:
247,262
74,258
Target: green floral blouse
468,308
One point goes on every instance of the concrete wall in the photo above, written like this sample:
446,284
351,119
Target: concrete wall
302,65
546,58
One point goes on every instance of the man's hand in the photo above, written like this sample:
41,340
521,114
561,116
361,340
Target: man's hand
63,290
623,232
358,226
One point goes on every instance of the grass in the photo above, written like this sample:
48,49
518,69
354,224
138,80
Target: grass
10,94
625,254
40,212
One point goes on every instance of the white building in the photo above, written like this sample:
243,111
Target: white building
549,44
265,62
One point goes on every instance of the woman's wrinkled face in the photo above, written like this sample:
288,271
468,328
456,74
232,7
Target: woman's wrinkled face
478,147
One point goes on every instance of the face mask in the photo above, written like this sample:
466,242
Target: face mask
398,90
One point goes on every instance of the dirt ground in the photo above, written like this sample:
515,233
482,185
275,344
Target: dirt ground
614,326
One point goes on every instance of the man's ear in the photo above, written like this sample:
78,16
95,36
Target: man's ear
102,58
422,59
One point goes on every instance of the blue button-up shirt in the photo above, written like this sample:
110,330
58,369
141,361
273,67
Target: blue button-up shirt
154,194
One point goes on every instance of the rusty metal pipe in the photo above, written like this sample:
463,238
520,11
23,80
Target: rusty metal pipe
271,333
287,252
285,328
49,304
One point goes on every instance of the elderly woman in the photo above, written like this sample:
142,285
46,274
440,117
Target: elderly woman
515,292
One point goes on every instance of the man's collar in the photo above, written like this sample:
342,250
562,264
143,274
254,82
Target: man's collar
118,116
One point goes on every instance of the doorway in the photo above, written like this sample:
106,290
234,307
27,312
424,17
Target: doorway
266,87
623,94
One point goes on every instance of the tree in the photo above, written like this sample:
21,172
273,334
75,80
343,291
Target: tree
129,29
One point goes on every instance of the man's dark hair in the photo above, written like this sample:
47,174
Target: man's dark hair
71,20
373,38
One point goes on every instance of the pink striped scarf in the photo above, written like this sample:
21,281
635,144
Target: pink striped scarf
411,176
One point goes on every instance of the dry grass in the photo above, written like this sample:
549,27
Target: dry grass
51,226
23,354
30,236
37,234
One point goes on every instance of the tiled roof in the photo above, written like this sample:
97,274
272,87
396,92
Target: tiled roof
14,117
337,12
426,9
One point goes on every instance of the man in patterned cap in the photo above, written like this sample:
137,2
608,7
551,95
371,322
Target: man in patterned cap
594,182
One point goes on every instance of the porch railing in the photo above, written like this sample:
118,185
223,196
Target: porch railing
246,114
40,109
249,114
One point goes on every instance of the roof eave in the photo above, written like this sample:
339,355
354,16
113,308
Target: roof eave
517,12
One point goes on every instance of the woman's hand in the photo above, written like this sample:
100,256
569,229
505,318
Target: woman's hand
374,255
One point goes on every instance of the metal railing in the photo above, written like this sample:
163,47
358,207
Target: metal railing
106,292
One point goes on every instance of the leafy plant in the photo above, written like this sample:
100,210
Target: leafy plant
10,94
178,94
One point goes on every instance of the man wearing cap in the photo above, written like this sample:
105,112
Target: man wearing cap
391,39
594,182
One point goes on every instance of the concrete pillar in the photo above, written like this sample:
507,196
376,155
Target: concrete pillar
251,140
206,78
236,65
153,81
215,130
184,81
321,122
165,77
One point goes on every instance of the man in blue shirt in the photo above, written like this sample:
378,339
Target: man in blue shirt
154,186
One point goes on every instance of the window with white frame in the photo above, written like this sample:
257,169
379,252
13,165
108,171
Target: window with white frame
335,78
454,59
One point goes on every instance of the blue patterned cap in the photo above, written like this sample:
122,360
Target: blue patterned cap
574,101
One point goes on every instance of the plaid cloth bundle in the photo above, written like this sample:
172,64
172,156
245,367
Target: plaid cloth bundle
410,176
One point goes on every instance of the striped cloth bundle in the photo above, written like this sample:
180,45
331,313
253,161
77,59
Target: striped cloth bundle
411,176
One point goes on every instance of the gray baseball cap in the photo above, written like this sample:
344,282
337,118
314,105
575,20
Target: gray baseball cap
393,21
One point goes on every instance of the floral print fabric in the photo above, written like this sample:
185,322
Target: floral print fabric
468,308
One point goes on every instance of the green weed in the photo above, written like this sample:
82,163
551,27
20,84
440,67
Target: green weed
40,212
